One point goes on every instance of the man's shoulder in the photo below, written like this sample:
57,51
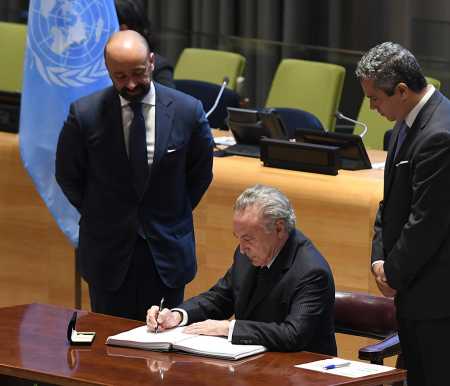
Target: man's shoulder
166,95
97,97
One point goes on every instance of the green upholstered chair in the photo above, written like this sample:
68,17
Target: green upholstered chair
210,66
377,124
12,42
314,87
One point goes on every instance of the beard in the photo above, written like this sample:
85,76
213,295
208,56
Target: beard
137,94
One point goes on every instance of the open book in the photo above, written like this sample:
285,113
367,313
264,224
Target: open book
176,340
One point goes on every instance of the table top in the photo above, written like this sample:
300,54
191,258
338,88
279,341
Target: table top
34,346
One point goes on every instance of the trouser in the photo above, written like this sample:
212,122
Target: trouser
141,288
425,346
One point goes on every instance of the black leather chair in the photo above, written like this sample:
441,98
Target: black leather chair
207,93
294,119
369,316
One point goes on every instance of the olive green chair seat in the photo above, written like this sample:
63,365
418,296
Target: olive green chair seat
12,42
210,66
377,124
314,87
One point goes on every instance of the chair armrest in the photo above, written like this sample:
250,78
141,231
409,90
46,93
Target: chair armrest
375,353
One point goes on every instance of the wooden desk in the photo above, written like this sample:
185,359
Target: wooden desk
34,347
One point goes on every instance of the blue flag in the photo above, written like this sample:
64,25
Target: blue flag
63,61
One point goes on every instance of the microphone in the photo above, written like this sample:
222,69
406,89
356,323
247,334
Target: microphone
219,95
342,116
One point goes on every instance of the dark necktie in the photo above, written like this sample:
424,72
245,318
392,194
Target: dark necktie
262,281
138,147
401,137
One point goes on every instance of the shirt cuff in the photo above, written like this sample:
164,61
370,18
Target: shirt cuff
376,262
230,331
184,315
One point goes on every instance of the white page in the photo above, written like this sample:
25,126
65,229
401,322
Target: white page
141,335
225,141
217,346
355,369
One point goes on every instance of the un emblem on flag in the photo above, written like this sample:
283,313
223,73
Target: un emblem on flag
67,37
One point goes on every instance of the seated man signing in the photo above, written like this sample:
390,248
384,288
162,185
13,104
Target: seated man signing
280,288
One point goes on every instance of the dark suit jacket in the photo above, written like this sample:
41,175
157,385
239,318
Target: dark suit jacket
412,228
296,310
93,170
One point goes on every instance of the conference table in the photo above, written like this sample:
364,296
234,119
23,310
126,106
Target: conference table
35,348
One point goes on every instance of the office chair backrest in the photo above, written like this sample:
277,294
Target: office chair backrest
365,315
209,66
12,42
311,86
377,124
207,93
294,119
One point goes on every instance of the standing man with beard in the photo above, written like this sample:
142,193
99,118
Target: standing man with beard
135,159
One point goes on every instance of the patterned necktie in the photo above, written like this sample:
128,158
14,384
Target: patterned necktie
401,137
138,147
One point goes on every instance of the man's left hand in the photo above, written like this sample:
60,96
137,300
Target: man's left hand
381,280
209,327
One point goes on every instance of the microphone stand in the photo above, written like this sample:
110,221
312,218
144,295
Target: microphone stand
345,118
219,95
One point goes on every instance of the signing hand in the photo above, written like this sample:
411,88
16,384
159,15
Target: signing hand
209,327
166,319
381,280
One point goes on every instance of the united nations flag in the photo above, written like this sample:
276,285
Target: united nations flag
63,61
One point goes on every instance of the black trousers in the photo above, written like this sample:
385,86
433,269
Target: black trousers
142,288
425,345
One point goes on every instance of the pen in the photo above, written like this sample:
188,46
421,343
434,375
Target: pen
336,366
160,309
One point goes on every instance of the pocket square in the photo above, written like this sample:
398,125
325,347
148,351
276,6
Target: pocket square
171,150
401,163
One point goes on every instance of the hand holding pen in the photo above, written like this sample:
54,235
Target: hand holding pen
161,319
159,311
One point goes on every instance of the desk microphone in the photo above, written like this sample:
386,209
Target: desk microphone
219,95
342,116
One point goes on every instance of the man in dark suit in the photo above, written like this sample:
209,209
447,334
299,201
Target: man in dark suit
135,160
411,245
280,288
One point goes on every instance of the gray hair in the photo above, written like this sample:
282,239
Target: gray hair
272,204
389,64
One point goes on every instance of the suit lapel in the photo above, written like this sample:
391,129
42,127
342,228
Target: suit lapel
112,111
164,112
419,123
245,293
389,169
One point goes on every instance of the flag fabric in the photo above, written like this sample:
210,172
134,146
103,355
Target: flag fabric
63,62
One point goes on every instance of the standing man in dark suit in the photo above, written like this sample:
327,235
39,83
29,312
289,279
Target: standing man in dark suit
411,245
135,160
280,288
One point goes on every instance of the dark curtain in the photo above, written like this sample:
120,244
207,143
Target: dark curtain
14,10
265,31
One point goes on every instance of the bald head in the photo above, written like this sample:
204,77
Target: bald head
124,45
130,63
